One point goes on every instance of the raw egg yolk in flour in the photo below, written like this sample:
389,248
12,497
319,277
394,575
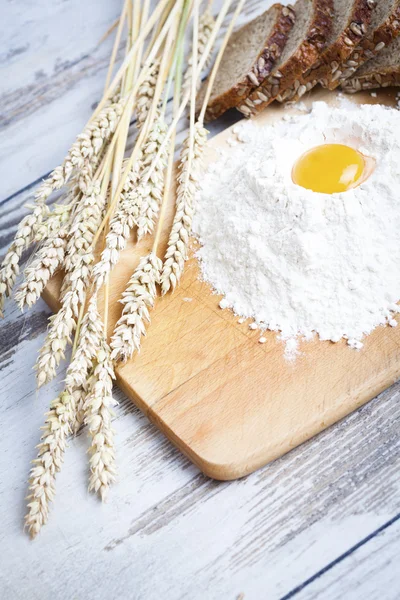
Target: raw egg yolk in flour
329,169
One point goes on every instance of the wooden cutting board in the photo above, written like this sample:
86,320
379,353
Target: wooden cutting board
227,402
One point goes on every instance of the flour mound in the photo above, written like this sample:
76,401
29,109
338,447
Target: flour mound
296,261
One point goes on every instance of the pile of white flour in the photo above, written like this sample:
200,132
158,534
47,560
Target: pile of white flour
296,261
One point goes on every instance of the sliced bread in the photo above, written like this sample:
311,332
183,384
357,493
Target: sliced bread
350,22
384,27
249,57
381,71
306,41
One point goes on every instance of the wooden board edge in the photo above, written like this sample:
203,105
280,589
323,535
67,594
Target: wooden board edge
241,468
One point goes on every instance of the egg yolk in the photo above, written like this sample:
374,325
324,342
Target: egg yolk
329,169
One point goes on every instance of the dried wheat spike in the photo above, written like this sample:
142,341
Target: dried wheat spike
121,224
98,414
89,342
24,237
78,265
177,250
146,93
137,299
47,260
48,462
87,145
151,191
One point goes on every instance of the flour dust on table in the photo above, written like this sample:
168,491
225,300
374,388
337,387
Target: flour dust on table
302,262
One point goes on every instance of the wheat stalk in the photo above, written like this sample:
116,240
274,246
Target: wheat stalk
137,299
146,94
24,237
206,24
139,296
151,190
78,267
87,145
177,250
98,414
47,260
120,226
54,219
48,462
138,205
88,345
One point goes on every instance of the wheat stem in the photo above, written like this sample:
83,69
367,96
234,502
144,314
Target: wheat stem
170,30
117,41
199,69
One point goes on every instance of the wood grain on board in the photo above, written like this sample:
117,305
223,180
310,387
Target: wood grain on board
229,403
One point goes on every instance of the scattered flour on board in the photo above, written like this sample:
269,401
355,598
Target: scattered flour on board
296,261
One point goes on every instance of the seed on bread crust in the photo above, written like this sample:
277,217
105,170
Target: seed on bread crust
380,46
356,29
253,78
264,97
301,91
382,77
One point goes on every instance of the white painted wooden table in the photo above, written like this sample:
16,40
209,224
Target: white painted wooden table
322,522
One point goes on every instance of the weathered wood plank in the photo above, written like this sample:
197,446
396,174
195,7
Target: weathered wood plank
264,534
167,530
369,570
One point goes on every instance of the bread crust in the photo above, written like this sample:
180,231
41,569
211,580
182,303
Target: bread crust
263,64
301,60
326,69
384,77
369,47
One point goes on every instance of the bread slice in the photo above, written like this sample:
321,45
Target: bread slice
384,27
249,57
381,71
306,42
350,22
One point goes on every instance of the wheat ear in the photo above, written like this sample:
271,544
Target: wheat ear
88,345
177,250
24,237
48,462
146,94
98,414
78,266
151,190
137,299
47,260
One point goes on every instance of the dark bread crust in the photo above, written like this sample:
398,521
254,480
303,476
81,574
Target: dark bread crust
370,46
384,77
301,60
326,69
263,64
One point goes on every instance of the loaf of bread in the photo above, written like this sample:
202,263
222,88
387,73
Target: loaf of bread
381,71
305,43
350,23
384,27
249,57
